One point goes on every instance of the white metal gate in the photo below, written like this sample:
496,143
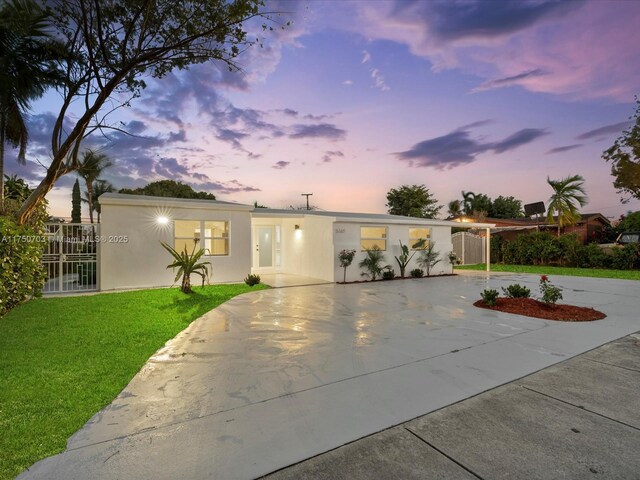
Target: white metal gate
469,248
71,257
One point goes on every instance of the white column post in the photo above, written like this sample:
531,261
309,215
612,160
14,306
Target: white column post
488,254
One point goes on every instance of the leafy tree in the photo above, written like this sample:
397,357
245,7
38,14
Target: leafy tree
99,187
76,207
476,204
506,207
412,201
89,169
169,188
629,222
624,156
26,71
454,208
115,45
568,195
15,188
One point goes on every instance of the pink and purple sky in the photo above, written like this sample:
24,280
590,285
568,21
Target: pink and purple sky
357,97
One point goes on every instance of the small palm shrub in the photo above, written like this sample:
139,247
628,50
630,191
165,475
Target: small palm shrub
388,273
550,293
489,297
429,258
516,291
188,264
252,280
417,273
372,263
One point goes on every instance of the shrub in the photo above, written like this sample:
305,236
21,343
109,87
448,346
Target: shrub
252,280
388,273
417,273
625,258
372,263
516,291
489,297
550,293
429,258
21,274
453,259
405,256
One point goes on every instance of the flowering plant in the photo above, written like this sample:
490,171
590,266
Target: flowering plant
346,258
550,293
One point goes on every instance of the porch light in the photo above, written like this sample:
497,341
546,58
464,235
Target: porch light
297,227
162,220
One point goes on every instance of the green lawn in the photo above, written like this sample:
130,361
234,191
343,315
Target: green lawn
574,272
63,359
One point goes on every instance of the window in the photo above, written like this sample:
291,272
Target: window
213,236
417,234
371,237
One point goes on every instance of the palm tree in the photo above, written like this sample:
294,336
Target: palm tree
27,69
454,208
568,194
99,187
90,168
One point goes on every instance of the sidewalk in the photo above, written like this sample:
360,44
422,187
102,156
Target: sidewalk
577,419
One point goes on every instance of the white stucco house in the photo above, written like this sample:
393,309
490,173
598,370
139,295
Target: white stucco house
241,239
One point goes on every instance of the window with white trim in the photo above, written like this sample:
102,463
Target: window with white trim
416,234
211,235
371,237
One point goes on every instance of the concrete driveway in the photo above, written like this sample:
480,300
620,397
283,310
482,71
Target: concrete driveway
274,377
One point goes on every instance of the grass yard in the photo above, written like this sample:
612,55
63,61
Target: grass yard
573,272
63,359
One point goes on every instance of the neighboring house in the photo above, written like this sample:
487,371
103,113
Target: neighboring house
589,228
241,239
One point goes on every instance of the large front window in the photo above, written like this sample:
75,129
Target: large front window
213,236
371,237
415,237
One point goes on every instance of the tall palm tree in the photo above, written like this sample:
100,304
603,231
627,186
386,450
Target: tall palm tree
454,208
467,202
568,195
99,187
90,168
27,69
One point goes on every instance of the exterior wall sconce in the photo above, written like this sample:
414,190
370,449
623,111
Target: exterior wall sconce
297,227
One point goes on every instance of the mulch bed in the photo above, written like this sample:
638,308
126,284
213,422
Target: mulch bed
533,308
399,278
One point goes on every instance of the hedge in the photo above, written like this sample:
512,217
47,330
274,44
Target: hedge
21,273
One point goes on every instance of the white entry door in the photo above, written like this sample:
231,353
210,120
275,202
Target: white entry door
263,254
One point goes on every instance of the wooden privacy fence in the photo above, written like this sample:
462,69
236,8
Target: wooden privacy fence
469,248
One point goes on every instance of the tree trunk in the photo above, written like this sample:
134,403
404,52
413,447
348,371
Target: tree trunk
186,284
90,199
2,137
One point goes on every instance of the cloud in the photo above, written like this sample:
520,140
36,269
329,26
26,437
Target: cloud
606,131
232,186
506,81
232,136
521,137
330,155
378,80
348,82
281,164
586,49
321,130
366,57
459,148
564,148
170,168
290,112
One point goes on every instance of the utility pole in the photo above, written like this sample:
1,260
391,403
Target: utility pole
307,195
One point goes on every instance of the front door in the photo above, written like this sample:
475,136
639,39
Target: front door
263,254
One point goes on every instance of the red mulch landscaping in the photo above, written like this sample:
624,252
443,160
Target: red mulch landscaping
533,308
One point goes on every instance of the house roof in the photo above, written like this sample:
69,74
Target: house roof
584,217
366,217
145,200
